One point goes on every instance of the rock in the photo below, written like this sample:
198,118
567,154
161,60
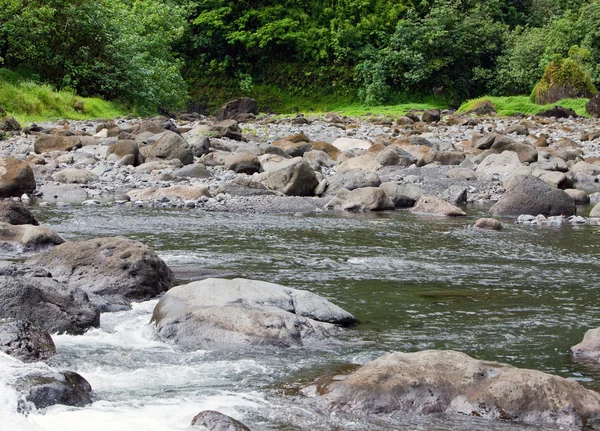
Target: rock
219,312
436,206
168,165
331,151
595,212
558,112
148,126
124,148
363,199
344,144
526,194
210,420
293,177
502,164
484,142
393,155
48,304
16,178
25,341
593,106
71,193
318,160
49,143
483,107
455,194
431,382
227,129
402,195
586,168
14,212
236,108
9,124
517,129
461,174
243,163
563,79
113,271
355,179
431,116
526,153
366,162
74,176
174,191
26,238
488,223
171,146
589,348
442,158
555,179
200,145
579,196
196,170
45,389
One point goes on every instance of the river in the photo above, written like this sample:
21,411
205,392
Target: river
523,296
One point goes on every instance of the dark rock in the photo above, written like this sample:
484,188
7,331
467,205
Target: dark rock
431,116
227,129
236,108
14,212
25,341
45,389
26,237
48,143
210,420
113,271
16,178
558,112
48,304
593,106
402,195
200,145
9,124
171,146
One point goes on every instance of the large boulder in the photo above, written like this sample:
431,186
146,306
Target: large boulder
14,212
125,148
25,341
503,164
431,116
393,155
113,271
210,420
432,382
355,179
563,78
171,146
26,237
47,388
526,194
48,143
402,195
9,124
219,312
435,206
237,109
48,304
16,177
589,348
593,106
363,199
526,153
74,176
293,177
243,163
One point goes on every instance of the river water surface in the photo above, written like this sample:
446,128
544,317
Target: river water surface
521,296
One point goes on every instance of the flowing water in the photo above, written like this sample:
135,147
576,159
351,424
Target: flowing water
521,296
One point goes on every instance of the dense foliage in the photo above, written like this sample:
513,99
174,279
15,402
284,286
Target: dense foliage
150,53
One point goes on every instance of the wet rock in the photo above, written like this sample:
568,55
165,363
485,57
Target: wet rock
48,304
526,194
49,143
113,271
171,146
589,348
210,420
488,223
219,312
431,382
436,206
237,109
363,199
25,341
45,389
14,212
293,177
26,238
402,195
16,178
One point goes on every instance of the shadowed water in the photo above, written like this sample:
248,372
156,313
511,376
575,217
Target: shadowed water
521,296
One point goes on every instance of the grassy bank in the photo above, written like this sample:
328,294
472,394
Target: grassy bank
30,102
512,105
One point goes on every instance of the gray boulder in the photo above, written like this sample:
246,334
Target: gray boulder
318,160
44,389
48,304
113,271
243,163
74,176
125,148
195,170
589,348
227,129
26,237
527,153
402,195
431,116
363,199
48,143
71,193
432,382
14,212
210,420
16,178
436,206
526,194
393,155
219,312
455,194
355,179
170,146
238,108
25,341
293,177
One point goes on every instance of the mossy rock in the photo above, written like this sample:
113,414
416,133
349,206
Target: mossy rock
482,107
563,79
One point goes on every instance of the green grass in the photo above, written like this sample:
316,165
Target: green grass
30,102
506,106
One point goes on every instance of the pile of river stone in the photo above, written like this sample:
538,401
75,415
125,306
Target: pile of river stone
431,164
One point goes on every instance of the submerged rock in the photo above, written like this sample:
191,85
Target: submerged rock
430,382
45,389
436,206
113,271
210,420
219,312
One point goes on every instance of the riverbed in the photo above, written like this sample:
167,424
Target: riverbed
522,296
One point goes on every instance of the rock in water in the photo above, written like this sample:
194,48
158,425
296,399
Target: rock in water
25,341
14,212
219,312
16,178
436,206
589,348
48,304
526,194
363,199
113,271
488,223
26,237
210,420
451,382
45,389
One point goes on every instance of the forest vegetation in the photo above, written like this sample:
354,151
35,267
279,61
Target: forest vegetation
169,55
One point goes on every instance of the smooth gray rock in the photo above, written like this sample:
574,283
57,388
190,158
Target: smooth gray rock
589,348
402,195
455,194
219,312
210,420
355,179
293,177
170,146
363,199
45,389
71,193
